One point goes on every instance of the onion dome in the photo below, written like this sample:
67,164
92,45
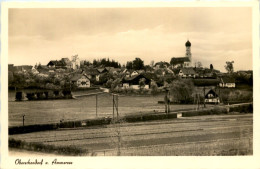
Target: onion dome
188,44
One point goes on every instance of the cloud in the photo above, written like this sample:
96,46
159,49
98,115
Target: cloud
216,34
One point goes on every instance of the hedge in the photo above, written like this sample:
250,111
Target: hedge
68,150
248,108
205,112
32,128
132,118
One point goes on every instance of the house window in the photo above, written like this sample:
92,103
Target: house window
210,95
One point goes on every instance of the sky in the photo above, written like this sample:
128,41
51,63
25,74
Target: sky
217,34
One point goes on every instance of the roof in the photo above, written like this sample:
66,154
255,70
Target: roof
180,60
162,63
189,71
57,63
227,80
102,70
135,78
91,71
211,91
188,44
77,76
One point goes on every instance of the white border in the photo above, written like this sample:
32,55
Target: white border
133,162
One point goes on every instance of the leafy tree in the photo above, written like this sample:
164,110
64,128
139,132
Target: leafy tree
109,83
129,65
182,90
115,83
142,83
138,64
229,66
10,78
148,68
154,87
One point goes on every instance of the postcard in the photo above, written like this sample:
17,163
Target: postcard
130,85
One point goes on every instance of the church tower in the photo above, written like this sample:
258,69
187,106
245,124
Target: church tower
188,53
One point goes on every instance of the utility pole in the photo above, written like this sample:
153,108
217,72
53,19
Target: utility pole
166,101
198,101
204,97
117,107
113,108
169,102
219,93
96,104
23,119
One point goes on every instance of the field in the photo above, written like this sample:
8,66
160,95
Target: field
52,111
203,135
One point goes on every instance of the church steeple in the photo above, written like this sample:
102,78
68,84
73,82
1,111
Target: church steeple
188,44
188,51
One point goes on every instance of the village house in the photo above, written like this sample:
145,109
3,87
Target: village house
57,64
92,73
187,73
228,82
133,82
80,80
211,97
102,70
130,73
67,62
161,64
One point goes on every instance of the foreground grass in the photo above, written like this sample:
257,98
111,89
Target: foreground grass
228,147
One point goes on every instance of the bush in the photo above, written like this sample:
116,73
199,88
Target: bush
71,150
31,128
242,108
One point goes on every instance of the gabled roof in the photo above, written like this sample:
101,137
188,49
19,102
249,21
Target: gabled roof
91,71
211,91
57,63
180,60
102,70
226,79
77,76
135,78
188,71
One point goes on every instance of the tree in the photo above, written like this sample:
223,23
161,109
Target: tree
229,66
129,65
142,83
211,67
154,87
115,83
182,90
138,64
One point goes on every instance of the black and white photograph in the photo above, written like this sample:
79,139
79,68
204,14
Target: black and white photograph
130,81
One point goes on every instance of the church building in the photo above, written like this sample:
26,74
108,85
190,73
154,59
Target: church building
183,61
